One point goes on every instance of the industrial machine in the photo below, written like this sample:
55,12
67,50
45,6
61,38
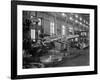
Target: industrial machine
80,42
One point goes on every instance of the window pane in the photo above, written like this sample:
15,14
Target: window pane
33,34
51,28
63,30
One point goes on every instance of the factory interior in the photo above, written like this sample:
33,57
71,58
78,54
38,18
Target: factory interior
55,39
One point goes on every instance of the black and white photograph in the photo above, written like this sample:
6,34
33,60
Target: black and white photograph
53,39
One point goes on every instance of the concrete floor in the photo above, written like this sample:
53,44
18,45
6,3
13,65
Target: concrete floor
77,57
80,58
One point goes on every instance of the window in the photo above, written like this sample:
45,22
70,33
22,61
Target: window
40,22
63,30
33,34
51,28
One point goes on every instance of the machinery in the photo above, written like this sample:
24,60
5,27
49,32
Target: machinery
80,42
40,53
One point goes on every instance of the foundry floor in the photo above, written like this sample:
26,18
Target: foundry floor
81,58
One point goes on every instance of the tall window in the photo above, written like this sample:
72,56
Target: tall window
40,22
51,28
63,30
33,34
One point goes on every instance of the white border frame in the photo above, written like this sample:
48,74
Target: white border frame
21,71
